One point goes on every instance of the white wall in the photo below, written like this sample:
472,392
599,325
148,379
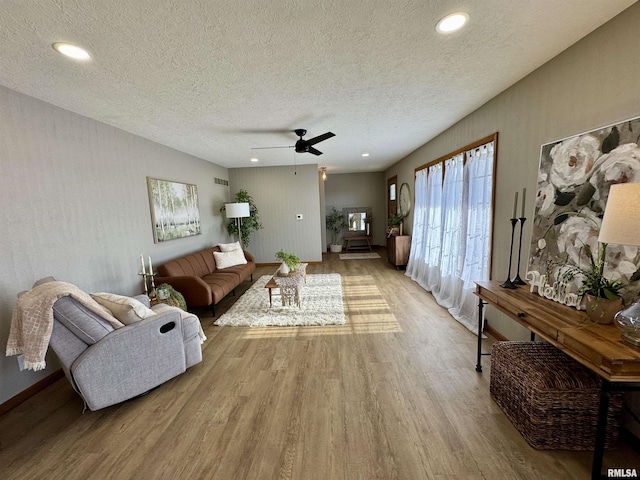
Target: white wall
74,205
279,195
360,190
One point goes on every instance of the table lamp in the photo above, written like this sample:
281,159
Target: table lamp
238,211
621,225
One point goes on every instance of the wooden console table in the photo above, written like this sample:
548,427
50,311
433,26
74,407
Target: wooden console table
598,347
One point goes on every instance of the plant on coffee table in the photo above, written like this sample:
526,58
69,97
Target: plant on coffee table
291,260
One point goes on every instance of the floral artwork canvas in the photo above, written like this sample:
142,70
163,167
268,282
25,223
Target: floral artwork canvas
573,186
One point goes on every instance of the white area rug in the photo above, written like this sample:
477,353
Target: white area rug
321,305
358,256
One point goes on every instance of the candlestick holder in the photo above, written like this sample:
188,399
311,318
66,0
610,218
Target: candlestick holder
152,292
518,280
144,281
508,283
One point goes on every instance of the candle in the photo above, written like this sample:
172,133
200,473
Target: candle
150,266
524,196
144,272
515,205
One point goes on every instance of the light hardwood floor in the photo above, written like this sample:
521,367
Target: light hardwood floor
393,394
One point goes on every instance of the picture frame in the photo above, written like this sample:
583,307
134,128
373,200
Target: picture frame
175,211
574,177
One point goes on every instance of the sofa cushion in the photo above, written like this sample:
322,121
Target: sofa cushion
229,259
126,309
229,247
85,324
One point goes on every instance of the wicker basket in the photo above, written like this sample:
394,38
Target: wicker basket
550,398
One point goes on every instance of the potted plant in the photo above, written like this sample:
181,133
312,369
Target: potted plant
290,261
249,224
336,224
602,296
395,224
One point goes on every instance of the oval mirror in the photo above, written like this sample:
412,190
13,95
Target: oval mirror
405,199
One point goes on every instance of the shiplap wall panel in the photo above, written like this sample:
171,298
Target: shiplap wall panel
280,194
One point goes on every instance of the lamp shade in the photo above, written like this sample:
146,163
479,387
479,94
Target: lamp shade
621,221
237,210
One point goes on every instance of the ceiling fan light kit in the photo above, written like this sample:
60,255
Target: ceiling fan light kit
302,145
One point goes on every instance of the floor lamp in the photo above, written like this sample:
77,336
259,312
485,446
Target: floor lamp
238,211
621,225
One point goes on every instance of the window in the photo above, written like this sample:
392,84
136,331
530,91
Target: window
391,195
452,227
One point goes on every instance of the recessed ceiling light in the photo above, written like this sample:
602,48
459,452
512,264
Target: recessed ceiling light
365,154
254,160
452,22
72,51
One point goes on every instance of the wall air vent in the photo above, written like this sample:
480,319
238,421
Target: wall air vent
221,181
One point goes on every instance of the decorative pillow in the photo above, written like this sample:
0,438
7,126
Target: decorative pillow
229,247
126,309
229,259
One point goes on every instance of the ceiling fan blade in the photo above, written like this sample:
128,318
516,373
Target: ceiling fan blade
264,148
314,151
320,138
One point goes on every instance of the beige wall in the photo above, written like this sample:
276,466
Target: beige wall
593,83
74,205
280,195
359,190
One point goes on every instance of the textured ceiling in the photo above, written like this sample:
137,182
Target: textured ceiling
215,78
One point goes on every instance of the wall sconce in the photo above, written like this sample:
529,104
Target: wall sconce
324,173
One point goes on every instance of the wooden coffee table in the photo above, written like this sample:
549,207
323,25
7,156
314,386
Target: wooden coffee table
272,283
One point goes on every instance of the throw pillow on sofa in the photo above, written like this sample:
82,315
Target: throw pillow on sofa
229,259
229,247
126,309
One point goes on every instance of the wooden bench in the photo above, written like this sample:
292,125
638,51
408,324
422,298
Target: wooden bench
365,238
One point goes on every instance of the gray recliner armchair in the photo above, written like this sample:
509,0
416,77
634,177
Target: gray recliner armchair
107,366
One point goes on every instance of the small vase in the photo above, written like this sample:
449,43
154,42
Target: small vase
284,269
601,310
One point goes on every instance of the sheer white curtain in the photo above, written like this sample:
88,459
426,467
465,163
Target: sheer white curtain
452,238
427,228
478,198
455,212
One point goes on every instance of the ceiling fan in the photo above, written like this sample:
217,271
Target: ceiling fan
302,145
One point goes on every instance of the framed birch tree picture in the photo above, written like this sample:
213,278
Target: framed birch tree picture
174,209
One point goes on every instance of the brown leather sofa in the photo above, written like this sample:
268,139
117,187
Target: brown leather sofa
195,276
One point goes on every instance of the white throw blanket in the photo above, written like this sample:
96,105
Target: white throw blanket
32,320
